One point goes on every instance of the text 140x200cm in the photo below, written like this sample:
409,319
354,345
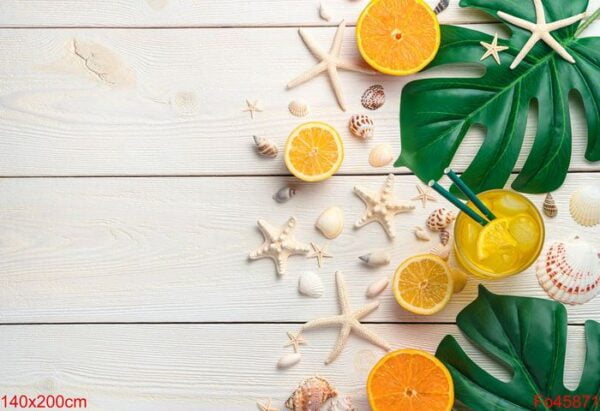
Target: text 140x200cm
23,401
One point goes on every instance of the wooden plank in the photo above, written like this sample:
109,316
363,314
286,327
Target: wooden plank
205,367
168,102
175,249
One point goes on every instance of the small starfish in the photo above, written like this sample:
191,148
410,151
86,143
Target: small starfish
252,107
492,49
540,30
319,253
382,207
296,340
348,320
329,62
424,196
266,406
279,244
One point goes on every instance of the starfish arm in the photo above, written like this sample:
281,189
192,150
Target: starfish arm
540,15
258,253
335,83
496,56
351,66
502,48
307,75
401,206
296,247
363,194
336,46
312,46
551,41
526,48
388,227
281,263
364,220
365,310
524,24
342,293
485,55
269,232
559,24
369,335
339,344
322,322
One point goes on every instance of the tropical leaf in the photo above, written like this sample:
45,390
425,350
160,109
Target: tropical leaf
437,113
528,335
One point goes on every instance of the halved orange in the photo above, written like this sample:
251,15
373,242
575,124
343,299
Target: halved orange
398,37
410,380
314,151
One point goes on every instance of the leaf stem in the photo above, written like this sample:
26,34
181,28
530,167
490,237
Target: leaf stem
587,22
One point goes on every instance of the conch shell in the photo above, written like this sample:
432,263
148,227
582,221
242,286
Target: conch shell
549,206
265,147
310,395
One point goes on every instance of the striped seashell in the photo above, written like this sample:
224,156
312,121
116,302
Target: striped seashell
299,108
284,194
439,219
373,97
311,394
265,147
361,126
585,206
444,236
549,206
310,285
441,6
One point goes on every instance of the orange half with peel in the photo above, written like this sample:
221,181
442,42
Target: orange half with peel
398,37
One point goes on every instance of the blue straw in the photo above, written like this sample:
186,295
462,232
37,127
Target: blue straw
469,193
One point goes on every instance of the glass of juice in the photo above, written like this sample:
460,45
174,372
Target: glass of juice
505,246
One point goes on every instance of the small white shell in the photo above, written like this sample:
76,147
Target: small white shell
299,108
377,287
284,194
549,206
310,284
288,360
421,234
376,258
585,206
361,126
331,222
442,251
381,155
265,147
440,219
324,12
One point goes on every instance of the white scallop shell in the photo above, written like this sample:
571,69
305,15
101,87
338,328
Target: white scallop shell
324,12
331,222
288,360
421,234
440,219
377,287
299,108
381,155
569,271
310,284
585,206
361,126
376,258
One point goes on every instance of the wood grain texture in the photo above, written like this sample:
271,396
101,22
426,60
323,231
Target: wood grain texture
169,102
206,367
175,249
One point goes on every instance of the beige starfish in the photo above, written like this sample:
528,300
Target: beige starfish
424,196
348,321
329,62
252,107
266,406
540,30
319,253
296,340
382,207
492,49
279,244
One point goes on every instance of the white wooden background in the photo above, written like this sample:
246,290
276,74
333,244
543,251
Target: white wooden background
130,191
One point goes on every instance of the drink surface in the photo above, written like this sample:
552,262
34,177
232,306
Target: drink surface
507,245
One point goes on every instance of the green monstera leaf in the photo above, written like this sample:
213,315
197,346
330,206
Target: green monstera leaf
529,335
437,113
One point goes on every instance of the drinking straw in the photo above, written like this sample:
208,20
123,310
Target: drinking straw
469,193
454,200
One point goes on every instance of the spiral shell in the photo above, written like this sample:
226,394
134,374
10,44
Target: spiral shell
381,155
440,219
284,194
373,97
299,108
585,206
265,147
361,126
311,394
441,6
444,236
549,206
311,285
331,222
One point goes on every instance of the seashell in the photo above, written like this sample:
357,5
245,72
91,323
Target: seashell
310,395
331,222
442,251
440,219
377,287
381,155
284,194
585,206
341,404
361,126
265,147
376,258
421,234
310,284
569,271
324,12
373,97
288,360
549,206
444,236
299,108
441,6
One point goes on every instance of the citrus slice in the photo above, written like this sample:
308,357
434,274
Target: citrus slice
525,231
398,37
314,151
423,284
410,380
494,238
459,280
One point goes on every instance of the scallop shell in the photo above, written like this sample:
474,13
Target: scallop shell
376,258
381,155
373,97
299,108
549,206
341,404
361,126
288,360
585,206
284,194
569,271
324,12
310,284
444,236
377,287
331,222
442,251
265,147
440,219
310,395
421,234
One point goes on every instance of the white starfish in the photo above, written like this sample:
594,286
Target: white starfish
296,340
382,207
540,30
492,49
348,321
252,107
319,253
329,62
424,196
266,406
279,244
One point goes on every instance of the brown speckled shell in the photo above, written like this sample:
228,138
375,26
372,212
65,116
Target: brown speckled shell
361,126
440,219
373,97
310,395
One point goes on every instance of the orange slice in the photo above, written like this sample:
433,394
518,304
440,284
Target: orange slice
495,238
314,151
398,37
410,380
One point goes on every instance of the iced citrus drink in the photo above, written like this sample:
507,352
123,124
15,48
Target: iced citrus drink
505,246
